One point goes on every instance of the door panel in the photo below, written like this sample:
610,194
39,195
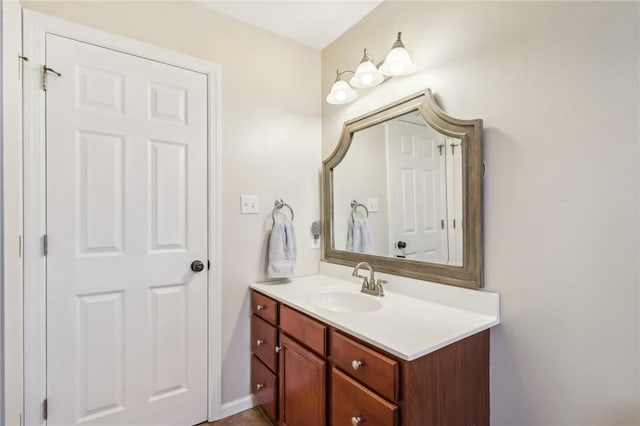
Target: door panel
302,385
416,185
126,216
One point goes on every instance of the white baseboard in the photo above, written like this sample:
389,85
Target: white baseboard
236,406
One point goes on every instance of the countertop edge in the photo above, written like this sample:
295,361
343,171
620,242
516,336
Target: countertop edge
491,322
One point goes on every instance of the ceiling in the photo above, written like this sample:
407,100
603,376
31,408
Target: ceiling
313,23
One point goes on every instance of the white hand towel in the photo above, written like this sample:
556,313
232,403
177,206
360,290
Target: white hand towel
350,230
359,237
366,238
282,250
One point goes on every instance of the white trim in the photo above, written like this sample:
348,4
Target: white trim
12,213
238,405
36,26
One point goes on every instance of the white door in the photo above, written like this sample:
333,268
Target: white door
417,205
126,216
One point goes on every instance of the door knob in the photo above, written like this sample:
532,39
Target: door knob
401,244
197,266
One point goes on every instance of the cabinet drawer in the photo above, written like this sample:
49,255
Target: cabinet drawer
350,400
370,367
264,307
306,330
263,341
263,386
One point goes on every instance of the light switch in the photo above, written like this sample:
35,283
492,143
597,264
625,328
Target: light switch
372,205
249,204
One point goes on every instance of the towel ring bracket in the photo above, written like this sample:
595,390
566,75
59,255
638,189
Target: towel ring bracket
277,205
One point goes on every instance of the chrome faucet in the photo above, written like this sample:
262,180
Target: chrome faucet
369,285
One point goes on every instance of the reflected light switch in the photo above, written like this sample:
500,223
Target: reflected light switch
372,205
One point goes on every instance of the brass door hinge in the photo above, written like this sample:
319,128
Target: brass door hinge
45,71
21,61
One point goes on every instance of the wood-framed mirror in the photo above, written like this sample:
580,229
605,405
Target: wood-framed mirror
403,191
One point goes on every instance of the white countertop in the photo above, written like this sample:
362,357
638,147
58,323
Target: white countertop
408,327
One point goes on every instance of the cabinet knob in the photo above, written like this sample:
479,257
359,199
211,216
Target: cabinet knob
260,307
259,386
259,342
355,364
355,421
277,349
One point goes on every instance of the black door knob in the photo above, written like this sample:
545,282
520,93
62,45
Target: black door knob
401,244
197,266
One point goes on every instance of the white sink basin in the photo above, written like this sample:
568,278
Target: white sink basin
345,301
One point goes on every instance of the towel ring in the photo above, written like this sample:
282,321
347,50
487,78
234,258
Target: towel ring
355,205
277,205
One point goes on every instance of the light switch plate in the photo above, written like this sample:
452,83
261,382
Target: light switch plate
372,205
249,204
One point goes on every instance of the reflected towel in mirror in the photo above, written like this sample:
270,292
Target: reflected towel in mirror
359,238
282,250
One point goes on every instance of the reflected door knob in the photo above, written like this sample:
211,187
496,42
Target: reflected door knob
197,266
401,244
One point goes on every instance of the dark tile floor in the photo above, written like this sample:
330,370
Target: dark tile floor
251,417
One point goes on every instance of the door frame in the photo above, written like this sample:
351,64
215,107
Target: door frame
35,28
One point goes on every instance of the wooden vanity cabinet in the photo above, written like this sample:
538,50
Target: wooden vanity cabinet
302,385
264,358
303,343
328,378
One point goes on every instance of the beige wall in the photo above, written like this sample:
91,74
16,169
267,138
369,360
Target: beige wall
356,179
557,87
270,138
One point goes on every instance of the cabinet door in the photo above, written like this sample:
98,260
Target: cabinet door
302,385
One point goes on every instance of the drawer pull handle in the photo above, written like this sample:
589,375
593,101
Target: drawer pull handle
260,307
259,386
355,421
355,364
259,342
277,349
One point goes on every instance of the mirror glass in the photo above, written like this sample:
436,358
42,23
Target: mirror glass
397,192
403,191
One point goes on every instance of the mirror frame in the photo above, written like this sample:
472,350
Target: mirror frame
470,274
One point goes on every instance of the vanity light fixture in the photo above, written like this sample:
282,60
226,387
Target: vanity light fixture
368,74
398,61
341,92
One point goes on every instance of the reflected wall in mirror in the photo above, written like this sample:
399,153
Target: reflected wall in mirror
403,191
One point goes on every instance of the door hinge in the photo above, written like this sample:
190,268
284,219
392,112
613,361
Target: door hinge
208,265
20,246
45,409
45,71
45,245
441,223
21,60
454,224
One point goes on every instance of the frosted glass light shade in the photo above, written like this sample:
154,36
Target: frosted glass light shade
367,74
398,61
341,93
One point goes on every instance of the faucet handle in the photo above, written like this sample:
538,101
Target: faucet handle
382,282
